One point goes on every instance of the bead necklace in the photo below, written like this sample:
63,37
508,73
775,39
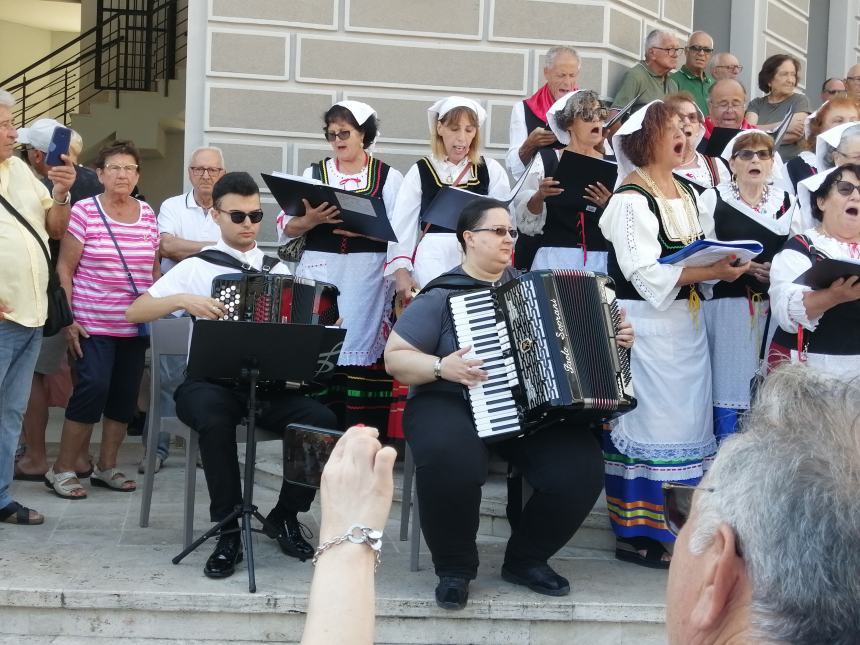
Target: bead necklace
675,228
765,196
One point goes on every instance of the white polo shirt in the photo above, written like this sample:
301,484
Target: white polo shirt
194,275
181,217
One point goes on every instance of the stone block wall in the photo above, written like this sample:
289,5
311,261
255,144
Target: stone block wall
262,72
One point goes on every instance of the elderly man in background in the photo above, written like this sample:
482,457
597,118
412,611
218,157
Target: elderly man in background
650,78
185,221
24,275
33,463
528,131
831,88
852,82
725,65
771,551
727,103
693,76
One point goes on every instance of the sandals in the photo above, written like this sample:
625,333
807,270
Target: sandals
61,484
112,479
15,513
628,550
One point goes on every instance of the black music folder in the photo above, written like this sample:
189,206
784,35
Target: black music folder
719,139
826,271
450,201
576,171
623,112
360,213
280,351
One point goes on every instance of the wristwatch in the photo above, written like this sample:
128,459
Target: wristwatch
67,200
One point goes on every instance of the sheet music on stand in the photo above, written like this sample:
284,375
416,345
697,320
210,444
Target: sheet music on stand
449,202
360,213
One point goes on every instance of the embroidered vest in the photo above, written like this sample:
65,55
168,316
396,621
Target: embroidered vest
477,181
322,237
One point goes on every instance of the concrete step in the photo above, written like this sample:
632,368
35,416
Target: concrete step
594,534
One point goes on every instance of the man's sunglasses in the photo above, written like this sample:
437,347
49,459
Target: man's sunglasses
700,49
677,502
500,231
238,217
748,155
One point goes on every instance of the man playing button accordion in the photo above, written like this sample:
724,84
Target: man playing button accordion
212,409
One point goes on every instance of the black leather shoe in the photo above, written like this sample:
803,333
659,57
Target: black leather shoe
452,593
227,554
291,535
540,578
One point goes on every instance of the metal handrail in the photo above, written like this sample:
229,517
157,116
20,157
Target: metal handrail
130,49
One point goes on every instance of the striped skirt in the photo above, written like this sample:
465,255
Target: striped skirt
359,394
634,490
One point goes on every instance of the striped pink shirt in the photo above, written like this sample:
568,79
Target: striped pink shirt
101,291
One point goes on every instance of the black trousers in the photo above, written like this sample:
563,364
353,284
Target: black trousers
563,464
213,411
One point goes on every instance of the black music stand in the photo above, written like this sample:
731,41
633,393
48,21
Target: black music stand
251,352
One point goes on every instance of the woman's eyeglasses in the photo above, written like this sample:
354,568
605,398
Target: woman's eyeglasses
116,168
748,155
238,217
590,115
500,231
677,502
343,135
845,188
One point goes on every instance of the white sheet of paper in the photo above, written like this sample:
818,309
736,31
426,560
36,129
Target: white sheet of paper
355,204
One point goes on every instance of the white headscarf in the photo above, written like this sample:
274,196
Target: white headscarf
777,174
441,107
828,141
361,111
805,189
563,136
633,124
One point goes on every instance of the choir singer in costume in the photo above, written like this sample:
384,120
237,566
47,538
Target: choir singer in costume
669,436
569,235
423,250
698,170
562,462
359,391
213,409
819,327
749,207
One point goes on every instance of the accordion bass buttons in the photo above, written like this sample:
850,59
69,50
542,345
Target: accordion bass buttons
526,345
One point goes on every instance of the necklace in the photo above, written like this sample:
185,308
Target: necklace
449,179
765,196
686,231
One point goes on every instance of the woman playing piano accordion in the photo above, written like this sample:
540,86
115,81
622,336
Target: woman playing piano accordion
570,235
669,436
424,251
749,207
360,390
820,326
562,463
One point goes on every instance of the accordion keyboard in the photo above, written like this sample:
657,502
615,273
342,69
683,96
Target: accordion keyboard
477,323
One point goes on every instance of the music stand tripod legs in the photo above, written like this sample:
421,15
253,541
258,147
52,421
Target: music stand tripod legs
246,510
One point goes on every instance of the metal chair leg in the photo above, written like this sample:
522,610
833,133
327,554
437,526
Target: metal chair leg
406,495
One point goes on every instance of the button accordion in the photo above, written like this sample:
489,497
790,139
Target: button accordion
252,297
548,342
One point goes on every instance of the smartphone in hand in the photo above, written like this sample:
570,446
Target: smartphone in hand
59,145
306,451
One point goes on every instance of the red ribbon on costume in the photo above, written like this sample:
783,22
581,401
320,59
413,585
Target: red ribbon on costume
582,236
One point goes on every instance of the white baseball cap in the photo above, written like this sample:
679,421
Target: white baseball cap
39,134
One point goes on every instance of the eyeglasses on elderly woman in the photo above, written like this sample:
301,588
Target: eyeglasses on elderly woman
747,155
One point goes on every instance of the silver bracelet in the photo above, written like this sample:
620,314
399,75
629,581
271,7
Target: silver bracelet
437,369
357,534
66,202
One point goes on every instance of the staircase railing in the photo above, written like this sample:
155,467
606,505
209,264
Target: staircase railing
135,44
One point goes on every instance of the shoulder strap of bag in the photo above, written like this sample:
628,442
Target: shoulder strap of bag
14,212
116,245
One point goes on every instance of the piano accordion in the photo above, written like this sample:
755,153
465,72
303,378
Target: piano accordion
548,343
272,298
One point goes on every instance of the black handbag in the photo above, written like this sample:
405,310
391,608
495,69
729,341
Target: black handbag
59,312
